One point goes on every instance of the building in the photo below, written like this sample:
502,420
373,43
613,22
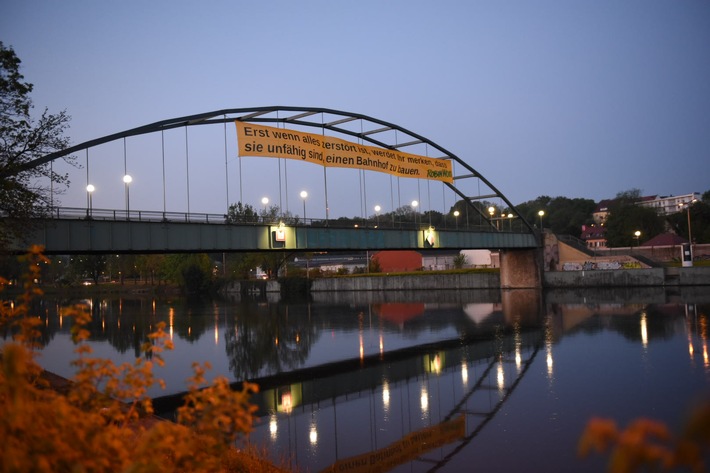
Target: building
667,205
594,236
601,213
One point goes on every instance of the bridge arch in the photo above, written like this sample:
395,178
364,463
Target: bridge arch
368,129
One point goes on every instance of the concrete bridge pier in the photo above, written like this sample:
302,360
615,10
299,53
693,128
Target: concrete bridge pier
521,269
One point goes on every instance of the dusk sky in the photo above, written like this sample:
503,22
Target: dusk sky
558,98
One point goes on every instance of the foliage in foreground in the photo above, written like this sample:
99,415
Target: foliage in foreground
648,445
104,422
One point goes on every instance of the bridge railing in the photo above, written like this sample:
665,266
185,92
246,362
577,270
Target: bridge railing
74,213
399,223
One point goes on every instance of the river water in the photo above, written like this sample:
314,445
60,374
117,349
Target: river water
445,381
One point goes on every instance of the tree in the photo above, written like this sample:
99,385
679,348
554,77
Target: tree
239,213
563,216
626,218
89,266
699,220
22,140
192,272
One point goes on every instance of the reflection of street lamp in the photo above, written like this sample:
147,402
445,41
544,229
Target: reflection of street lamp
89,190
377,215
304,194
456,217
127,179
541,213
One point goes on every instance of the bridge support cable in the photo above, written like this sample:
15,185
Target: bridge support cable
372,130
187,170
226,169
486,416
162,147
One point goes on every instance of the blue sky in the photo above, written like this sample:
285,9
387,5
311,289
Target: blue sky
559,98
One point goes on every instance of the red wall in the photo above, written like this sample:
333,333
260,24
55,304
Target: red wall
395,261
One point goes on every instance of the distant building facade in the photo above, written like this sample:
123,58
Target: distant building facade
594,236
667,205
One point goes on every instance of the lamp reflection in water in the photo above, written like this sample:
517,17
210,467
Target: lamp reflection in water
500,375
518,346
386,395
644,330
424,401
464,373
548,346
171,317
273,426
313,432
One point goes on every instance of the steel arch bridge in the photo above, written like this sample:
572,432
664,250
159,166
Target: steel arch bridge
368,129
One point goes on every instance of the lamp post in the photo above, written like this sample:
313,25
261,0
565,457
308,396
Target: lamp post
637,234
456,218
127,179
687,208
491,212
510,219
89,190
377,215
541,213
304,194
415,204
264,202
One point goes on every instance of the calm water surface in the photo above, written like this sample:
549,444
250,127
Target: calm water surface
413,382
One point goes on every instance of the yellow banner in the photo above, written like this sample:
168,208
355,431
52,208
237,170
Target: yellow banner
406,449
258,140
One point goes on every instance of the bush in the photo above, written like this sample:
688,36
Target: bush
104,422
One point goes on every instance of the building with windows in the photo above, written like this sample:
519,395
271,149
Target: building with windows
667,205
594,236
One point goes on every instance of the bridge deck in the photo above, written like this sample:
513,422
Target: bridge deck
210,233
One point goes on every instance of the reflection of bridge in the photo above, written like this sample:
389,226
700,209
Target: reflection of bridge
130,231
345,428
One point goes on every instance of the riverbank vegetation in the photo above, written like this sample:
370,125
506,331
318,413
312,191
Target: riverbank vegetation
102,420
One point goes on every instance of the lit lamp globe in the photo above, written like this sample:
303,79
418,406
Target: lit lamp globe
89,190
304,195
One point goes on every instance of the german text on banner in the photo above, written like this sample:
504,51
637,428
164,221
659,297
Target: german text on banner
266,141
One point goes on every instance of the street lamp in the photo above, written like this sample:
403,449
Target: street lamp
377,215
637,234
510,219
304,194
89,190
541,213
415,204
264,202
456,217
127,179
687,208
491,212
